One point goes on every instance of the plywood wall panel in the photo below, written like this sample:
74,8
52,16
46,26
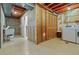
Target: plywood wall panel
47,19
51,25
38,24
14,23
43,23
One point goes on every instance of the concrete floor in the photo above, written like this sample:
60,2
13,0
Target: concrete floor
20,46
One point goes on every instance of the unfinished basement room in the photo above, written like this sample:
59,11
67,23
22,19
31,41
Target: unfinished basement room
39,28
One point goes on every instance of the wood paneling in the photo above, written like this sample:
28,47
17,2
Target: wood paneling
46,24
51,25
47,19
14,23
38,24
43,23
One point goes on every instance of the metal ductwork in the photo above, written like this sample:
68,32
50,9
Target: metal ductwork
7,7
28,6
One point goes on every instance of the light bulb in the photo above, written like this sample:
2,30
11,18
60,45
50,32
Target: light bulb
68,8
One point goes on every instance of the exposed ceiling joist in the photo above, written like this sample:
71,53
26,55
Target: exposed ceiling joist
49,4
55,5
47,8
62,7
71,7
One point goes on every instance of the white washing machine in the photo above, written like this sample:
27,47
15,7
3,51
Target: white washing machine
77,33
68,32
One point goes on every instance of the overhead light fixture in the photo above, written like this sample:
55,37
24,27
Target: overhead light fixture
68,8
15,12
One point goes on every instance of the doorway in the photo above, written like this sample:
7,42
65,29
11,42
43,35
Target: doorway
24,26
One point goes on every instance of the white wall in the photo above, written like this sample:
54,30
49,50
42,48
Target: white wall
22,27
60,22
2,17
28,24
32,25
68,16
2,24
24,23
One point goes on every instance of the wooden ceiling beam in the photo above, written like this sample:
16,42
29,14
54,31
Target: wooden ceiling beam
55,6
45,4
71,7
49,4
46,7
63,6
